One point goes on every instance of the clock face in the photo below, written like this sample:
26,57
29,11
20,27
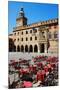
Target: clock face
19,23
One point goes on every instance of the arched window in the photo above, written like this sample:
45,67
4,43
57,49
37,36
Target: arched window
26,39
18,48
31,48
26,32
30,38
18,33
30,31
22,33
18,39
22,48
26,48
35,38
21,39
35,48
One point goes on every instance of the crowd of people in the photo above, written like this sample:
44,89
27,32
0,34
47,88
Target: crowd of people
40,71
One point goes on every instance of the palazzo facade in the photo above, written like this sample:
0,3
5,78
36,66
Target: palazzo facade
41,37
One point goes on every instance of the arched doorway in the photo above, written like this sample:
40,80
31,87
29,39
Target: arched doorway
18,48
42,48
22,48
31,48
26,48
14,48
35,48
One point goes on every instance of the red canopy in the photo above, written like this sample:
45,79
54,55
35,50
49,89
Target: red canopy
27,84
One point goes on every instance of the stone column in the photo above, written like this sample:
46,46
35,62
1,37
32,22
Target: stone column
45,48
46,34
38,48
24,49
33,49
16,49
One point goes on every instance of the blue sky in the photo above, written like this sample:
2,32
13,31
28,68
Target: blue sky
35,12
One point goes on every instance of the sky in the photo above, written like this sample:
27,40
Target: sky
35,12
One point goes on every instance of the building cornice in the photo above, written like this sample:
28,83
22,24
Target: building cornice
47,22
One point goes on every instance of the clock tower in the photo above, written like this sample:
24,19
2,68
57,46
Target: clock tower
21,20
